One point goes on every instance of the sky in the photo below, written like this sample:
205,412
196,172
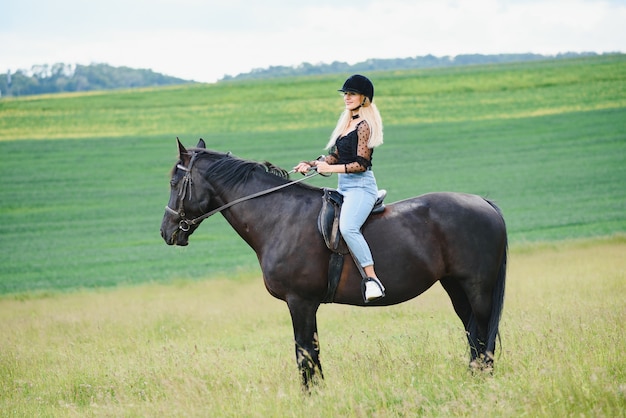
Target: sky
204,40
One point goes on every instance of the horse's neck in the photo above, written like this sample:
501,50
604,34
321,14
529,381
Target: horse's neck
261,218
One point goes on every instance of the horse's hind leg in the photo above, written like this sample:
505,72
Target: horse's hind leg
303,318
475,322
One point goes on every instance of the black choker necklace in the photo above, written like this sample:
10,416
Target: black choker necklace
355,116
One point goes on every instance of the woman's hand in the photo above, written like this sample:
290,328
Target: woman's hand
323,167
303,167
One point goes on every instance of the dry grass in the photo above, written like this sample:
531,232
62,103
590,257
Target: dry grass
224,348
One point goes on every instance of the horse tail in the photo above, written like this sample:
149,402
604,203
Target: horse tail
498,291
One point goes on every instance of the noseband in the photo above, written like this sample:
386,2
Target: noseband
185,191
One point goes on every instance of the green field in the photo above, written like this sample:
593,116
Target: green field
84,177
98,317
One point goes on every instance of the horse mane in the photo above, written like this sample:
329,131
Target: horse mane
275,170
231,170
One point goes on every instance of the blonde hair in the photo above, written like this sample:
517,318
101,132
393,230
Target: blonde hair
368,112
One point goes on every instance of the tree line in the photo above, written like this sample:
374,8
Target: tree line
427,61
57,78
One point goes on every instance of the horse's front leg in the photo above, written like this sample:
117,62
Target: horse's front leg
303,317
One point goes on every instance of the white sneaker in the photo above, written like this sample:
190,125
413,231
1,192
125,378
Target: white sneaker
372,291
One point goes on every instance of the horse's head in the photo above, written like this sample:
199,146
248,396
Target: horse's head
206,182
185,204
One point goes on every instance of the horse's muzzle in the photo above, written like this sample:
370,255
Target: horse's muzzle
175,237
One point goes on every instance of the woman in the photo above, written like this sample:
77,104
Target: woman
351,145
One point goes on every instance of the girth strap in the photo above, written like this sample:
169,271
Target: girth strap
335,266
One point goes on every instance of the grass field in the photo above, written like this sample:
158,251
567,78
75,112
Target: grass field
85,177
99,317
224,348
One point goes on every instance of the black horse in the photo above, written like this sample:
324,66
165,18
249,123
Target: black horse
458,239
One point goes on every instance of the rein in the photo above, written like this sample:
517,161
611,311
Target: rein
185,224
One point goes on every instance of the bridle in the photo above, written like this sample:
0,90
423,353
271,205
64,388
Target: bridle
185,191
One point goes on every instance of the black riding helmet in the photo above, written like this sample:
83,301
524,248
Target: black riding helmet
359,84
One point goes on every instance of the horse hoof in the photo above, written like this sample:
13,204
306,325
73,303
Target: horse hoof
483,364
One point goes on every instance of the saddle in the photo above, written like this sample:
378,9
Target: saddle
328,225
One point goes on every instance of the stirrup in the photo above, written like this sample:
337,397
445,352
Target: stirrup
377,295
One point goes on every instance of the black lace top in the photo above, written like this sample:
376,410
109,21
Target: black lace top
352,150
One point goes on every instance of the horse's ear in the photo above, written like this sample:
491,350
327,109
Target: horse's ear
201,144
183,155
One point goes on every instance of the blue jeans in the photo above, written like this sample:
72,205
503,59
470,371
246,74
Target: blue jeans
359,192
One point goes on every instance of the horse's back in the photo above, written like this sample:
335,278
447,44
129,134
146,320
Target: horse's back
451,211
453,232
